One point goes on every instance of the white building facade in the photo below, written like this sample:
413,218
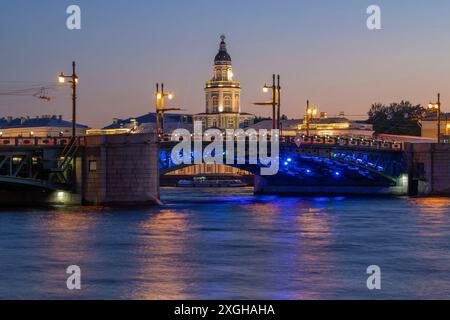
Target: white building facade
223,96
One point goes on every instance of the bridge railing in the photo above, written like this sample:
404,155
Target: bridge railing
35,141
315,140
345,142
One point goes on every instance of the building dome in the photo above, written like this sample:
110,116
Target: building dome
223,55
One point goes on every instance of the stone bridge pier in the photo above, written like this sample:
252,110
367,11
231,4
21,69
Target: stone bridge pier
120,169
429,169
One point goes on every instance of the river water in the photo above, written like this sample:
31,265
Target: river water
230,244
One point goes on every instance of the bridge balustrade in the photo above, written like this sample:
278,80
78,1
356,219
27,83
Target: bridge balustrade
34,141
314,140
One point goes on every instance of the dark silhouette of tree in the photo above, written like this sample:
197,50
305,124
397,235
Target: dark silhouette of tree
397,118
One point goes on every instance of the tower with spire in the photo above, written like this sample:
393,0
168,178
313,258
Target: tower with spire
222,95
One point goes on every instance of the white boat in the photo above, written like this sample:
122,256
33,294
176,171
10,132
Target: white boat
203,182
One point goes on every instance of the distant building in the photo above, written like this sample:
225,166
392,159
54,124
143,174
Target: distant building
429,127
288,127
43,126
147,123
337,126
223,96
324,126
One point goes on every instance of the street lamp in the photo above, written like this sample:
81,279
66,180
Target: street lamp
437,107
310,114
160,106
276,101
74,82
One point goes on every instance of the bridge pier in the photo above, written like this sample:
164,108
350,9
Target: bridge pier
429,169
121,169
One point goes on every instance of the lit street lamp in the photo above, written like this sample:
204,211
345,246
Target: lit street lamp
437,107
74,82
310,114
161,108
276,101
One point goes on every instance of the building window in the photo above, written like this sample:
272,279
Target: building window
92,165
224,75
227,104
215,104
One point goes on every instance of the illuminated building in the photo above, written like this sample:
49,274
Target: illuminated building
323,126
223,96
339,126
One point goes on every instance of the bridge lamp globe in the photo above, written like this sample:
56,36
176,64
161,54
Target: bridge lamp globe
159,96
265,88
170,96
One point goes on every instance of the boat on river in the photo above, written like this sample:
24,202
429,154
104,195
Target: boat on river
203,182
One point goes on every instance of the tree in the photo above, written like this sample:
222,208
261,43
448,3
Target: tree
397,118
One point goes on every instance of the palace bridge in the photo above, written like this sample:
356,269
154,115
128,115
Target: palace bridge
127,168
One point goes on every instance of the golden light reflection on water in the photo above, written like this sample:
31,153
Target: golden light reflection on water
66,236
431,215
431,206
162,237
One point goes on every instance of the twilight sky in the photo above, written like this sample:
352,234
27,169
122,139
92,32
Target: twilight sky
322,49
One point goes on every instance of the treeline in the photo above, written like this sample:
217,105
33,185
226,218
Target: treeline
397,118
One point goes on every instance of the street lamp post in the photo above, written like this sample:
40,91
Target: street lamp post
279,103
161,108
437,106
276,100
309,115
74,82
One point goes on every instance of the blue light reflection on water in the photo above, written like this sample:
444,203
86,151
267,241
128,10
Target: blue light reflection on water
229,244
